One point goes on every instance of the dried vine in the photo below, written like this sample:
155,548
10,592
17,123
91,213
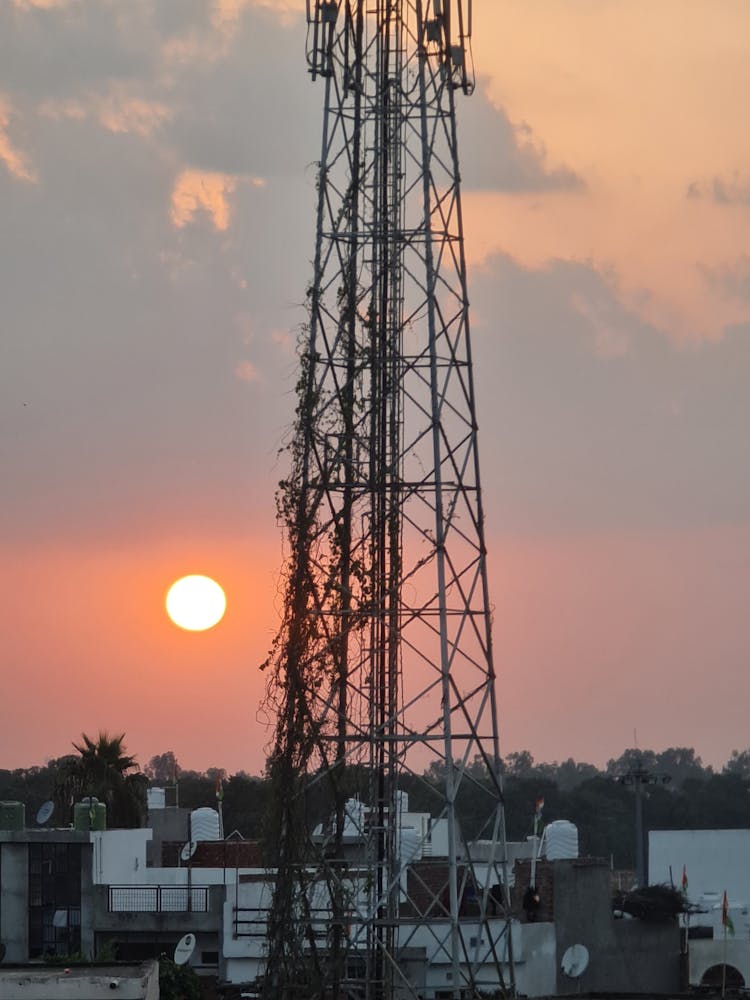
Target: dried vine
306,670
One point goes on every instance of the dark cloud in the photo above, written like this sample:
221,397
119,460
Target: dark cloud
123,335
730,280
63,51
503,156
734,190
595,419
254,111
121,342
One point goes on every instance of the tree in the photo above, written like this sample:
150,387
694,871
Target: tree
177,982
682,764
738,764
519,764
104,770
162,769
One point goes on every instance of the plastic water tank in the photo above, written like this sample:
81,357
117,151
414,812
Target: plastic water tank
402,801
561,840
89,814
409,845
156,798
204,824
12,815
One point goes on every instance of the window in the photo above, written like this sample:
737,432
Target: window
54,899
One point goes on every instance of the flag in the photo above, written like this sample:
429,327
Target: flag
219,788
538,808
684,880
726,920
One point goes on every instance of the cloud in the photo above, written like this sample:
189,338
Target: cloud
247,372
39,4
505,156
66,50
197,191
731,280
643,434
733,190
226,14
16,162
253,111
116,112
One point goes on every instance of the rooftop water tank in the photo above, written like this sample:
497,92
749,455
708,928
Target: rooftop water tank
89,814
409,845
560,840
204,824
402,801
12,815
156,798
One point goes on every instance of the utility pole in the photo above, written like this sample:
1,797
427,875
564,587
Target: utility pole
638,775
382,671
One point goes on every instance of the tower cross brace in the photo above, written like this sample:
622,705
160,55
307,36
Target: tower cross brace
382,674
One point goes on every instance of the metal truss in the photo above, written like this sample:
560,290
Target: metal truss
383,669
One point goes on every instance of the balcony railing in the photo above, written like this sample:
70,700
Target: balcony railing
158,899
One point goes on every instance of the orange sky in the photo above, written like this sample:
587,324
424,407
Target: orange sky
158,193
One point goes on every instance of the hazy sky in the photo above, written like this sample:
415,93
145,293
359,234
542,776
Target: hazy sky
157,189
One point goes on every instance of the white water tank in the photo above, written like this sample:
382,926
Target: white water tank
156,798
409,845
204,824
560,840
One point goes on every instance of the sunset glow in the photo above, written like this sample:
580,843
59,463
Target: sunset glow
158,173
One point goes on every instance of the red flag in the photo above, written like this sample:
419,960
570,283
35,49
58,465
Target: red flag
684,879
538,808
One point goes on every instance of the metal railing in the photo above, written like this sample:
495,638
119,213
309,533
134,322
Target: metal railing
158,899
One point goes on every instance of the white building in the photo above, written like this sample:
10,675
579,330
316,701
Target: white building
715,862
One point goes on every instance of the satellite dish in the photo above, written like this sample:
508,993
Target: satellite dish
45,812
184,949
189,850
575,961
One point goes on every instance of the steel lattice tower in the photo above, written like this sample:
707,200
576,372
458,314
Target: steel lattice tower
383,665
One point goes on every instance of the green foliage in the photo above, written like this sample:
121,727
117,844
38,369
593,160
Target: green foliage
162,769
177,982
106,951
656,904
74,958
103,769
602,809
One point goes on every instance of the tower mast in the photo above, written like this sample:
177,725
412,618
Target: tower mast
382,673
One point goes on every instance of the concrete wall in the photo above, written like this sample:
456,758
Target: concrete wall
705,953
87,903
536,963
34,982
631,956
715,861
14,899
120,856
167,824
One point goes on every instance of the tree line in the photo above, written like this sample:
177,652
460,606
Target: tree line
681,792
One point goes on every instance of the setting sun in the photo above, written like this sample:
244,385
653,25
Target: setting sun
196,603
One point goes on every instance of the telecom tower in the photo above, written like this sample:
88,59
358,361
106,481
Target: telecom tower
382,670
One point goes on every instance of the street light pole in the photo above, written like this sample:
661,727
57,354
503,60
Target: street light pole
638,776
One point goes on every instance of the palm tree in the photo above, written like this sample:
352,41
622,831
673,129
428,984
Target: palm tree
106,771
